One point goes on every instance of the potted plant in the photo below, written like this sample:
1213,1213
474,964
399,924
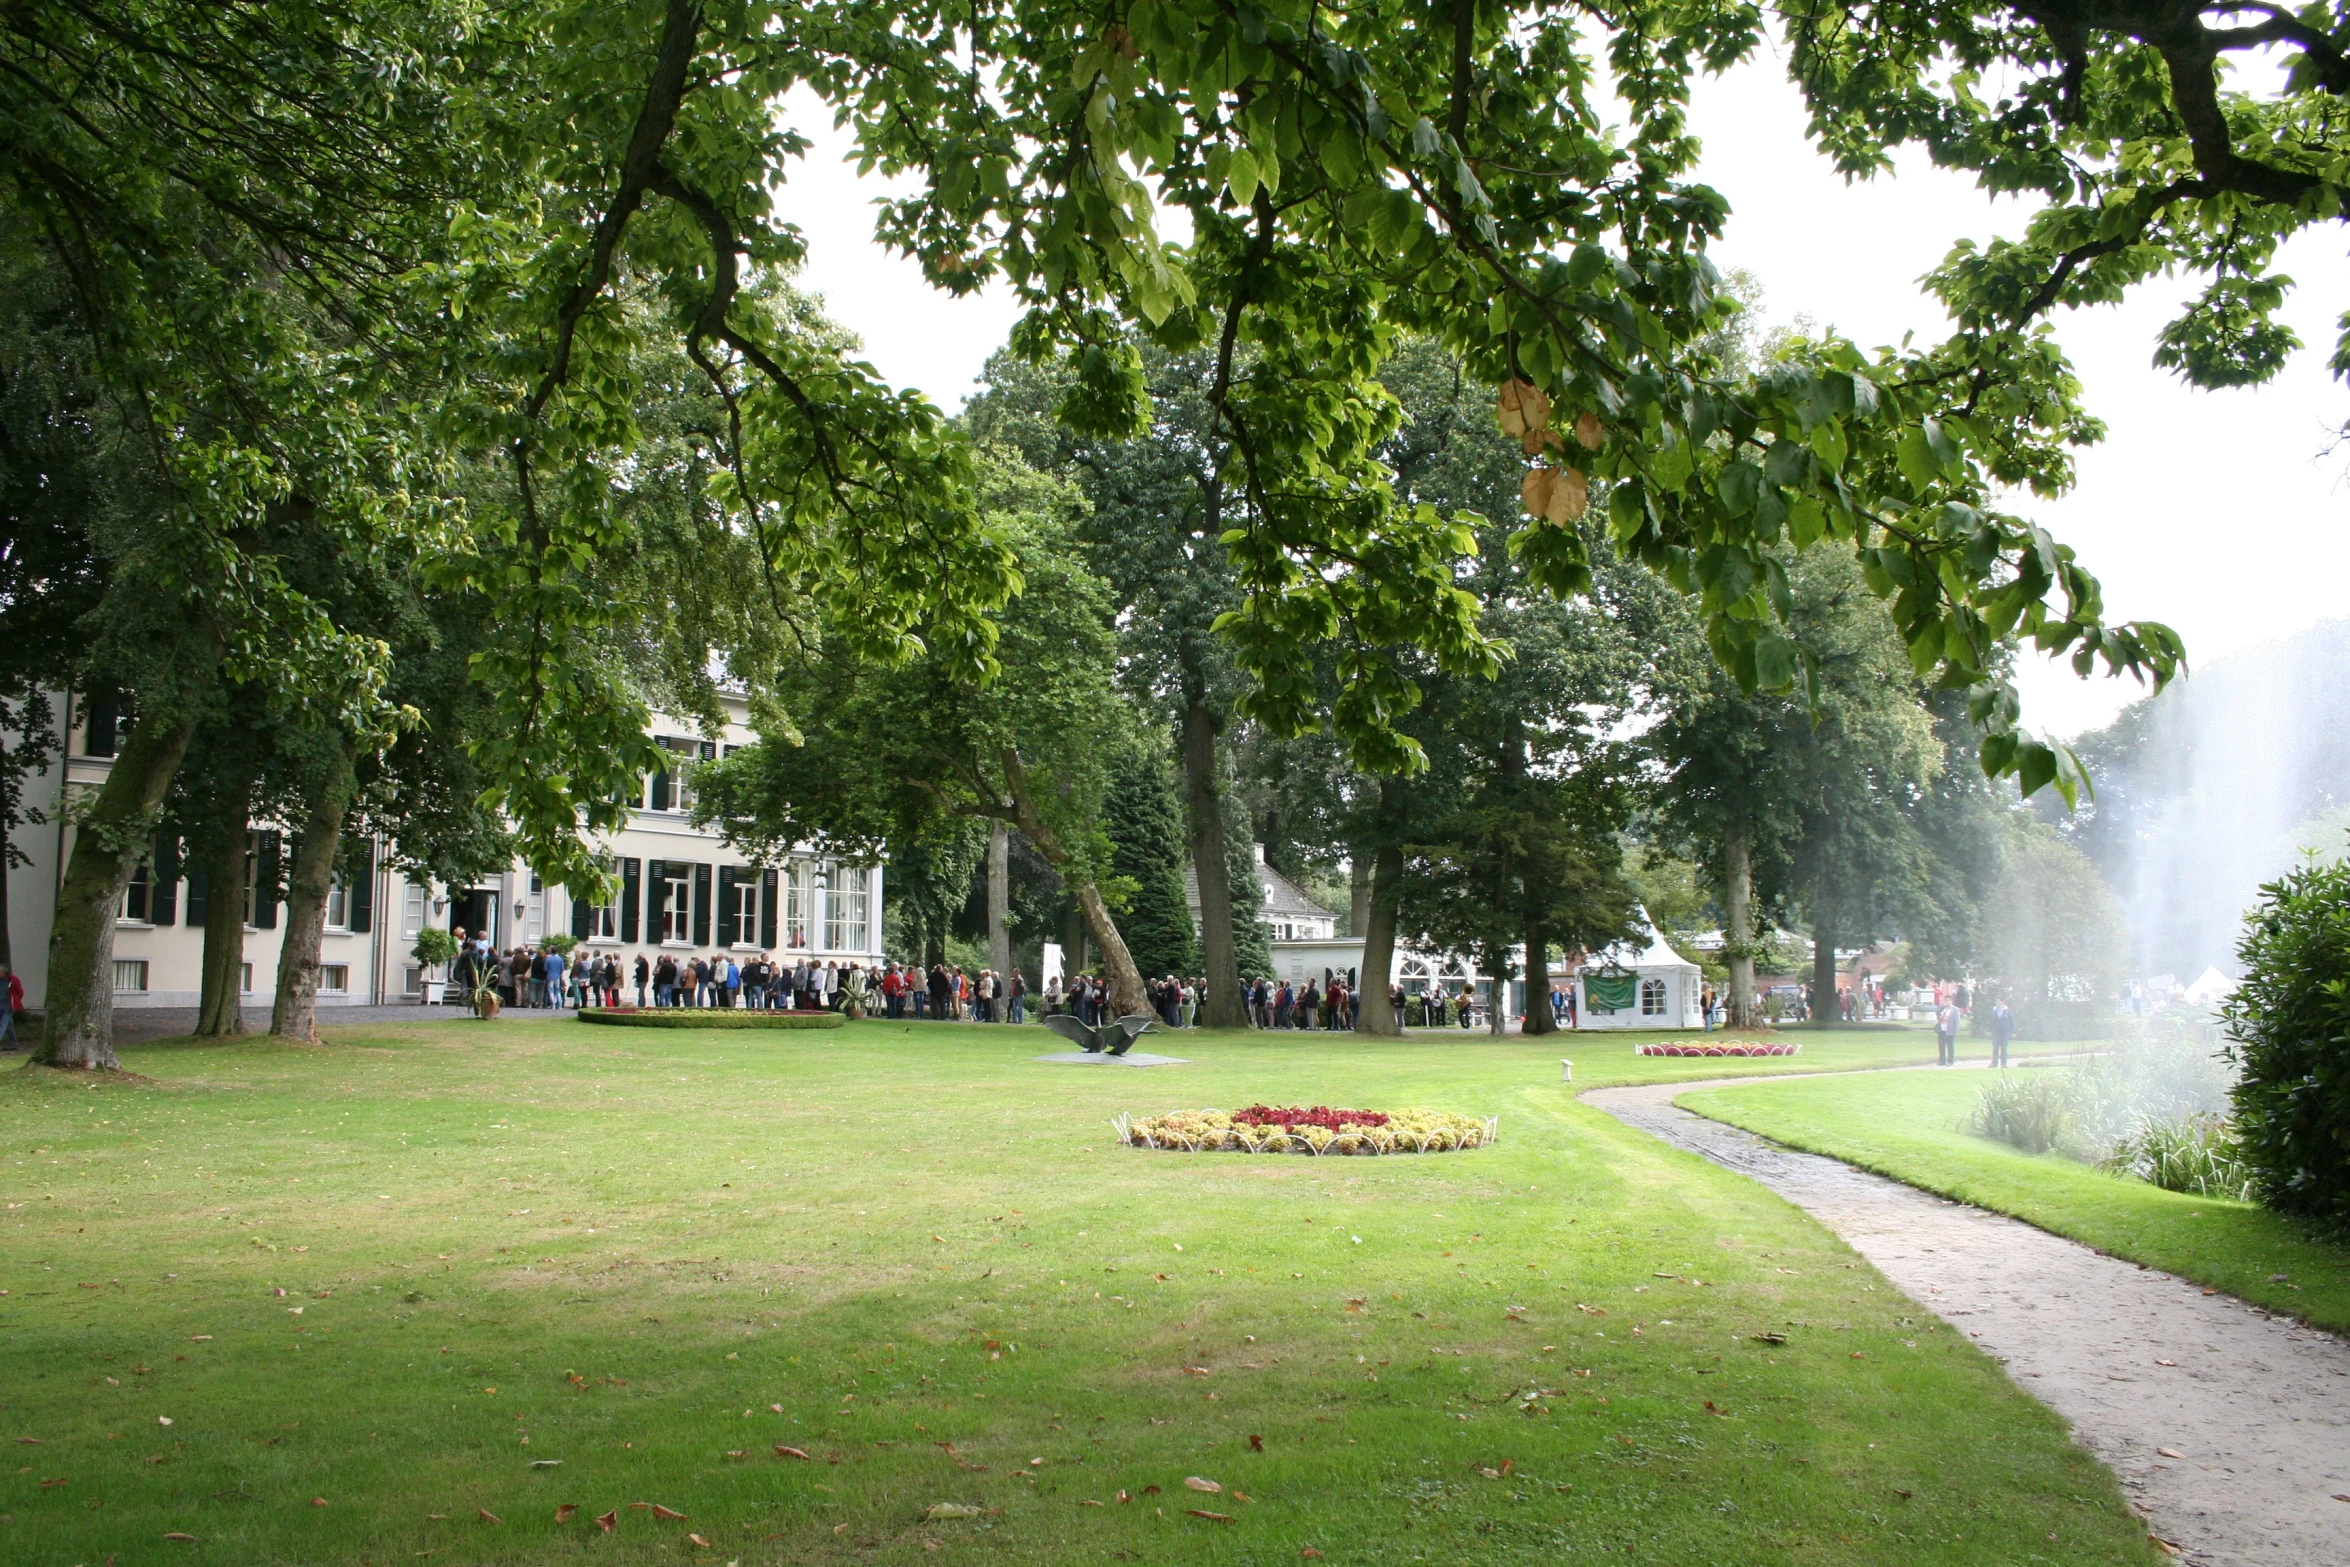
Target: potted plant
434,947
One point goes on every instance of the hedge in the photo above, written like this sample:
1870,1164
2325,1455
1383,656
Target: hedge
711,1017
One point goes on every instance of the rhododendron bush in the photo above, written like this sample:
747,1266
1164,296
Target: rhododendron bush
1319,1130
1700,1047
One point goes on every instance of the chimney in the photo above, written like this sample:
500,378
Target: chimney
1260,848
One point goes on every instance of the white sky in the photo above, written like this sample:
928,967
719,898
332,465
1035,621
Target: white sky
2214,511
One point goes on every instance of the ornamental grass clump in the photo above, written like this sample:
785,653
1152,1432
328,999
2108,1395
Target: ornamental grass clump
1318,1131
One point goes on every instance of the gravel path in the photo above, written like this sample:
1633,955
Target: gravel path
2229,1428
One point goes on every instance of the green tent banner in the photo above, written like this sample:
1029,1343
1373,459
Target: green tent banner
1610,992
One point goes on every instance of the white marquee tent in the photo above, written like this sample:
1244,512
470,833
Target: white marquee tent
1638,985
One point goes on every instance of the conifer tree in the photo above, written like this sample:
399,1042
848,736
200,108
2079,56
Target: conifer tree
1144,818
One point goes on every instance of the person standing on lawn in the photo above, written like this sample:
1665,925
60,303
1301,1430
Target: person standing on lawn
2002,1031
1946,1020
644,971
9,1039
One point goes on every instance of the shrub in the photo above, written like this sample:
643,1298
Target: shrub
2290,1020
559,942
2195,1153
2033,1111
710,1017
434,945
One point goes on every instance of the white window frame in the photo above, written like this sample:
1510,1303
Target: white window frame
413,900
677,907
798,906
334,979
846,905
604,922
142,880
746,909
1655,998
244,979
338,904
534,912
134,969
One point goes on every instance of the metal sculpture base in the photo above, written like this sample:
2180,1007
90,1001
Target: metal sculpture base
1103,1058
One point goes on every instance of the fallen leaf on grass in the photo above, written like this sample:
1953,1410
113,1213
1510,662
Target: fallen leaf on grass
782,1451
1240,1496
1256,1444
487,1516
563,1513
1768,1338
29,1441
318,1501
546,1463
1123,1497
176,1535
1201,1512
1091,1504
1197,1484
609,1520
1310,1554
698,1540
953,1510
435,1517
737,1452
2164,1545
51,1485
667,1512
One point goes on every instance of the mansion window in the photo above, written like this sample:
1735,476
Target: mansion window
338,906
746,910
677,904
844,909
799,902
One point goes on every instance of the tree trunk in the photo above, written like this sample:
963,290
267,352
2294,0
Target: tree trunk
79,1027
1221,1007
295,1014
1824,1010
1126,992
1738,929
220,1005
1538,1015
1379,1015
999,903
1358,887
1127,995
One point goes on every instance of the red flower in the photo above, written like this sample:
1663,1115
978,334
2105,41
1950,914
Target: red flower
1319,1115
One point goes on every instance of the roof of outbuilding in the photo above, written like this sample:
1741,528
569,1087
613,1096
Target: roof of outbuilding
1284,899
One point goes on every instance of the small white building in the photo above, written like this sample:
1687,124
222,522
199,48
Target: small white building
1637,985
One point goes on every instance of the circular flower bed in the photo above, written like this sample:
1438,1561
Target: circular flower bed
1699,1047
1319,1130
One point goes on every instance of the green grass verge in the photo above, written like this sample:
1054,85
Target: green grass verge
1909,1125
710,1018
651,1263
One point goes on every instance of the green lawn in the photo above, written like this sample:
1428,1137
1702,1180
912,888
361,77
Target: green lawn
1909,1125
649,1259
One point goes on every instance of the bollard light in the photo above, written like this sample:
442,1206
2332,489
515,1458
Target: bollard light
1566,1070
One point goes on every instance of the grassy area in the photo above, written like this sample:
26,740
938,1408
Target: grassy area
647,1261
1910,1125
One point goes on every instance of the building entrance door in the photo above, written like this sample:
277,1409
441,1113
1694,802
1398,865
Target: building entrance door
475,912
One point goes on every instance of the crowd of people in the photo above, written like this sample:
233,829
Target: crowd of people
545,977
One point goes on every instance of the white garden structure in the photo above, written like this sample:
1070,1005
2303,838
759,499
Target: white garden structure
1639,986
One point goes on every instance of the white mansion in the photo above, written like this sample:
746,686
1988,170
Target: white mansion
680,889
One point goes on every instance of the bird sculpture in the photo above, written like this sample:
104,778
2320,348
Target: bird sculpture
1110,1039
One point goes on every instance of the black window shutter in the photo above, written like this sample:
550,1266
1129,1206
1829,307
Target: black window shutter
656,890
728,933
660,791
767,910
163,897
579,916
359,907
630,892
197,886
265,883
701,905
